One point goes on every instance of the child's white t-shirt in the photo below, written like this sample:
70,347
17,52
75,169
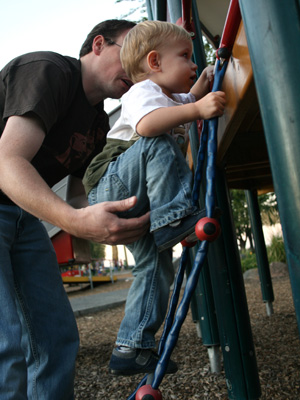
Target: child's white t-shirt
141,99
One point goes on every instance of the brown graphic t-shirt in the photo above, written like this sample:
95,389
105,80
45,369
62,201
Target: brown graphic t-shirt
49,85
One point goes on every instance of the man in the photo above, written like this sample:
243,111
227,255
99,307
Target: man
52,124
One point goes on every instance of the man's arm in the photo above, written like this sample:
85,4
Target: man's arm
20,181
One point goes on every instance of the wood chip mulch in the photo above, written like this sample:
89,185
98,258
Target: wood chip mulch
276,340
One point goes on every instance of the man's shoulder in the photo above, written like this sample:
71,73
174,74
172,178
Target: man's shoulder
37,58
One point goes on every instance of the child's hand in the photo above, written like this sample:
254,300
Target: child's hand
204,83
211,105
208,77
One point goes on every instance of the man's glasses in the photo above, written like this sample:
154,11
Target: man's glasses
111,42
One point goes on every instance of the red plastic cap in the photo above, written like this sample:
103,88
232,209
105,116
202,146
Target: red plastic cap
186,243
207,229
146,392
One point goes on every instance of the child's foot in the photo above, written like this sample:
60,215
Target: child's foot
136,361
169,235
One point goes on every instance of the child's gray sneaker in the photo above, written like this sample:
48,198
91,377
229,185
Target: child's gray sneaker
169,235
136,361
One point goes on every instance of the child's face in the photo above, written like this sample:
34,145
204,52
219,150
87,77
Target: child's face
178,72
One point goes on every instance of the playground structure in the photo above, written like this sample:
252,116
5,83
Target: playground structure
73,255
258,140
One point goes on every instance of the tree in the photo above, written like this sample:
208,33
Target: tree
268,209
241,218
97,250
210,52
137,10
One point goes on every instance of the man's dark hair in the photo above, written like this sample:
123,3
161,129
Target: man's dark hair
111,29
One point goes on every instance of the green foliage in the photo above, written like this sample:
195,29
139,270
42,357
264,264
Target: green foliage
136,11
248,260
97,250
240,217
210,52
276,251
268,210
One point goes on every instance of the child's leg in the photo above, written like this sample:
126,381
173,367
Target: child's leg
148,297
155,171
145,309
169,183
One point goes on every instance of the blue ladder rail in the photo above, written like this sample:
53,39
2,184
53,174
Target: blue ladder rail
174,320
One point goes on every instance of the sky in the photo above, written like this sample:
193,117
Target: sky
56,25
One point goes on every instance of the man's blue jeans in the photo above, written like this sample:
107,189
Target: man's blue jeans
38,333
155,171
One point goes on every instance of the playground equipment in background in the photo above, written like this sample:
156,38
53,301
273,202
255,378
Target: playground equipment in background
71,251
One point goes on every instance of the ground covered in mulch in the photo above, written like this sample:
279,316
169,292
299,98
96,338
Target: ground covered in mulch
276,341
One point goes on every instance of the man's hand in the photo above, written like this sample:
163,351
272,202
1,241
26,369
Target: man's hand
100,223
19,143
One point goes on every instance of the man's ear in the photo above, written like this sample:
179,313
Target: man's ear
98,44
153,61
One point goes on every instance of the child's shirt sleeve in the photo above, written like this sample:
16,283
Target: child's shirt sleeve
146,97
143,98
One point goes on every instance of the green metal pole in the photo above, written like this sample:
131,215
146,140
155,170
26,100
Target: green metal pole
231,304
273,29
157,10
260,250
203,306
174,9
199,52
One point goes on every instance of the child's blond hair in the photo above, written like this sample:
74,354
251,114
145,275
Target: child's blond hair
143,38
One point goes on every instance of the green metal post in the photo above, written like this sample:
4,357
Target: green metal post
202,305
199,52
260,250
157,10
174,9
203,296
273,29
203,302
231,304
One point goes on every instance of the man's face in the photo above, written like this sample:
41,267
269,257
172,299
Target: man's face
113,78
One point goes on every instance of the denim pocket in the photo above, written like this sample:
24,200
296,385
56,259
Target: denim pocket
111,188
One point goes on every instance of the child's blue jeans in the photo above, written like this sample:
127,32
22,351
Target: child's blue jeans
155,171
